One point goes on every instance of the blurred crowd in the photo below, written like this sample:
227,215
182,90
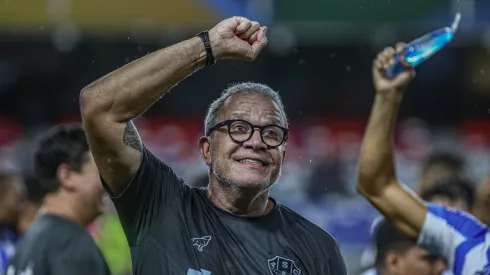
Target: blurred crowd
446,166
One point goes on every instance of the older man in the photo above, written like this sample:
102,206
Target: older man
233,226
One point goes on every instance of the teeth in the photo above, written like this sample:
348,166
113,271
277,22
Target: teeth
252,161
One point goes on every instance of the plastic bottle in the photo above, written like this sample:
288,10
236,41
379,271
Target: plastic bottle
424,47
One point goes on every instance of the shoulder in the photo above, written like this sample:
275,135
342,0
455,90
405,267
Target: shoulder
54,233
462,222
306,228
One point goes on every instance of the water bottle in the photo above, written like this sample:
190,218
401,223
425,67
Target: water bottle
423,47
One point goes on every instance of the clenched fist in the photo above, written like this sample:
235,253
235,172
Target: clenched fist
238,37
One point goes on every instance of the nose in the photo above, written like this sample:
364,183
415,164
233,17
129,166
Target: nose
255,142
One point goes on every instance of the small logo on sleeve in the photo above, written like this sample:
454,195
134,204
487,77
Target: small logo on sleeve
200,243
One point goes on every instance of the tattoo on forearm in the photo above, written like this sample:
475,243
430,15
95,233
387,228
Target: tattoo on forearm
131,137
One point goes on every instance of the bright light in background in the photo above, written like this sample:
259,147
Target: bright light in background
282,40
58,10
66,37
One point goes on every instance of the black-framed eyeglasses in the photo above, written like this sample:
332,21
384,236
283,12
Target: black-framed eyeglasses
242,130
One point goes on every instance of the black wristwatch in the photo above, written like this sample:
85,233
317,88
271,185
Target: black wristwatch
204,35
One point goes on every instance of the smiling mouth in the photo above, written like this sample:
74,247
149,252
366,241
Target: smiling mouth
252,161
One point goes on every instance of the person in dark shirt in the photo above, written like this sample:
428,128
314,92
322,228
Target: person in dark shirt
232,226
57,242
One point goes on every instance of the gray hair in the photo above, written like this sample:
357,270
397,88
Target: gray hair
244,87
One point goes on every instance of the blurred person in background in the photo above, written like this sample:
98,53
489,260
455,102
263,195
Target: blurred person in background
11,196
481,209
19,202
399,255
457,194
57,241
440,167
455,235
233,226
11,199
448,167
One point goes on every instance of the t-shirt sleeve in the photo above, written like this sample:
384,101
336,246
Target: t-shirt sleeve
445,229
336,264
151,192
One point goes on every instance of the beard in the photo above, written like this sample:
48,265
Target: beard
224,175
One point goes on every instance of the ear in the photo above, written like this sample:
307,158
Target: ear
392,260
283,157
204,149
63,175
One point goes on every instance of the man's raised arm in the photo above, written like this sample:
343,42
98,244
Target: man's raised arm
376,179
109,104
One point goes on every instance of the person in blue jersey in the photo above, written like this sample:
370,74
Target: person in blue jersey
20,200
455,193
456,235
10,210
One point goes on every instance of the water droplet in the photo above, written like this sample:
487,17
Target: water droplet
300,157
302,62
348,68
482,72
139,48
332,55
41,28
126,60
128,37
310,160
301,112
474,81
93,61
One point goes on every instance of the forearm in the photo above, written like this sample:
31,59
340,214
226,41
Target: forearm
376,165
127,92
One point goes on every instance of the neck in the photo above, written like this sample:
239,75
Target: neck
27,217
245,203
66,207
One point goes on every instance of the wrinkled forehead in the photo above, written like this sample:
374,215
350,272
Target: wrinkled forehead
256,108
